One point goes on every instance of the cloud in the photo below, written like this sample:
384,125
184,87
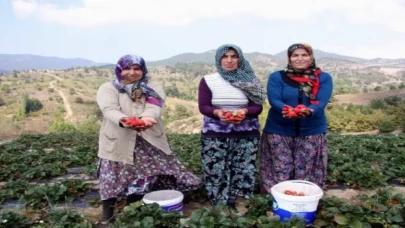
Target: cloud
388,13
388,50
24,8
331,27
92,13
166,13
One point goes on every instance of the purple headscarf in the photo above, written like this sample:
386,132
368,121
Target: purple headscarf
139,88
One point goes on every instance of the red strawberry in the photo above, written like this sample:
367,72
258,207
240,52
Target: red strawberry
291,114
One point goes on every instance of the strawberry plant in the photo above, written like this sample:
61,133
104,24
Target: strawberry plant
149,215
13,189
67,218
382,209
13,220
42,196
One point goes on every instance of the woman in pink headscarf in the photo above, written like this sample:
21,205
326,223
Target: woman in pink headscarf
135,160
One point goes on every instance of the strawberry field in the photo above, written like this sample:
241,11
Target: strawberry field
49,181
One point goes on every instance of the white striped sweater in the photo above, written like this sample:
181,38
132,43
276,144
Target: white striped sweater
225,95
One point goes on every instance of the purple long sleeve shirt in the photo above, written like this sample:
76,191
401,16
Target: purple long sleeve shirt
213,127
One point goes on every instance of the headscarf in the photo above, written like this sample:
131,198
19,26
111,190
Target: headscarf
137,89
243,77
307,78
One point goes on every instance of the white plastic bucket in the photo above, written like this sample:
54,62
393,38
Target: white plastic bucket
169,200
286,206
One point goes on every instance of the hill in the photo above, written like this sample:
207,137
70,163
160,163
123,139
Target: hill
18,62
322,54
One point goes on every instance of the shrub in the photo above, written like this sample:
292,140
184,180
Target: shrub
386,126
79,100
33,105
51,90
2,102
61,126
89,126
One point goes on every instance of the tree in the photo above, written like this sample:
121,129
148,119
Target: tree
377,104
387,126
394,100
392,87
33,105
378,88
79,100
172,91
2,102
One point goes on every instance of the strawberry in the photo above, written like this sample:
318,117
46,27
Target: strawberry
134,122
297,110
286,108
291,114
228,114
288,192
240,115
301,194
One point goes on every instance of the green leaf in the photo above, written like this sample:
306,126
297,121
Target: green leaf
356,224
341,219
397,218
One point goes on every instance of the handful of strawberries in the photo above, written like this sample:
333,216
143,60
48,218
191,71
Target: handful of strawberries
298,111
134,122
234,116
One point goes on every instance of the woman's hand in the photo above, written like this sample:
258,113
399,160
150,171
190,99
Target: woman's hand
298,112
148,122
240,116
220,113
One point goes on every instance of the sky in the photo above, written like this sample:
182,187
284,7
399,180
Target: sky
104,30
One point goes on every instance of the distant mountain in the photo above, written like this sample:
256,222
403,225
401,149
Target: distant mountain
322,54
3,71
209,58
255,57
206,57
10,62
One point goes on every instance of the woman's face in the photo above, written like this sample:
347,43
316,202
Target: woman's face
132,73
300,59
230,60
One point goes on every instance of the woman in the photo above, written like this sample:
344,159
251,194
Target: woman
229,147
293,143
135,160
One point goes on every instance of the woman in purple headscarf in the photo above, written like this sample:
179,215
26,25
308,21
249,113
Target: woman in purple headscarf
135,160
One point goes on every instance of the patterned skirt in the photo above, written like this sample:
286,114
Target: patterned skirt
229,167
292,158
152,170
